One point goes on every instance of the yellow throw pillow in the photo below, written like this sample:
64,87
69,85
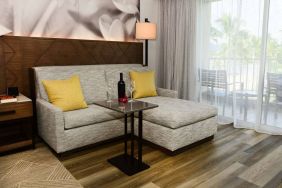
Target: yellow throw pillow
144,84
65,94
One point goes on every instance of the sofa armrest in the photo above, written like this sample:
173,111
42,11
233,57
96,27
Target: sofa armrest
167,93
50,120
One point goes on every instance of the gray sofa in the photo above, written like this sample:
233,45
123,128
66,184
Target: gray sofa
173,125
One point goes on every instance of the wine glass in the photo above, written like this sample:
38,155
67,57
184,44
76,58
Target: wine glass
109,92
131,89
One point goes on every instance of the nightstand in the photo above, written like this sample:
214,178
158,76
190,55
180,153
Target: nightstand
16,125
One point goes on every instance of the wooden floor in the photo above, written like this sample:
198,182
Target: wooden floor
235,158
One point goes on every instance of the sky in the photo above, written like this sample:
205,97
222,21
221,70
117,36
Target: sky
251,12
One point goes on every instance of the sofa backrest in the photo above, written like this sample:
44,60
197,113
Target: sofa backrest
94,78
113,76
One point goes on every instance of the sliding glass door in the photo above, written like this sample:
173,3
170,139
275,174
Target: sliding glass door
239,57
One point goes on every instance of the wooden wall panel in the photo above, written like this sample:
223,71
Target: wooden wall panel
19,54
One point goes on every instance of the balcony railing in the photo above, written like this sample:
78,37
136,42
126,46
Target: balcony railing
244,70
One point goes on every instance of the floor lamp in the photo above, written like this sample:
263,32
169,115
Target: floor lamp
146,31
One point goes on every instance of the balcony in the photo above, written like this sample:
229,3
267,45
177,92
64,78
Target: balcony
240,96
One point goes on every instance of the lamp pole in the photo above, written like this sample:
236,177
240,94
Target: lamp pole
146,47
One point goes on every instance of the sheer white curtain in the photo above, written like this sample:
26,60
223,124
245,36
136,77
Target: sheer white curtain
239,58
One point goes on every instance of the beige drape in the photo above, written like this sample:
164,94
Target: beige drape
177,49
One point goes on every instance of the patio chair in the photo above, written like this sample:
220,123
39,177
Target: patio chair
273,90
278,100
216,82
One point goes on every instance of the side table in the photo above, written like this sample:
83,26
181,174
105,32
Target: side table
16,125
125,162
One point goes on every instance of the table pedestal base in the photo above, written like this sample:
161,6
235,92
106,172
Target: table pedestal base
127,164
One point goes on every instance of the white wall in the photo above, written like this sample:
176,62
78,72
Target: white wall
149,9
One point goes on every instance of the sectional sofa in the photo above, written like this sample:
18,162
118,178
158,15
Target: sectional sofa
175,124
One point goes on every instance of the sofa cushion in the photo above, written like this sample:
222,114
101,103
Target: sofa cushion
145,85
174,113
92,81
65,94
92,115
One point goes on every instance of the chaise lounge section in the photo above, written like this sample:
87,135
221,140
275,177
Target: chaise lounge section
178,123
175,124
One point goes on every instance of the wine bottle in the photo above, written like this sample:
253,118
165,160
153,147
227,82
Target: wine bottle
121,88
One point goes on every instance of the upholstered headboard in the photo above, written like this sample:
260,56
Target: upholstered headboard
19,54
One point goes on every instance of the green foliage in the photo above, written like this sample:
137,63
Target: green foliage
236,42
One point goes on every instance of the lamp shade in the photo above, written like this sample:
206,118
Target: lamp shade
4,30
146,31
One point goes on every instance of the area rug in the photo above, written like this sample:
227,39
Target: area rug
35,168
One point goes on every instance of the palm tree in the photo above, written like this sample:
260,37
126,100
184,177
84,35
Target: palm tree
233,40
